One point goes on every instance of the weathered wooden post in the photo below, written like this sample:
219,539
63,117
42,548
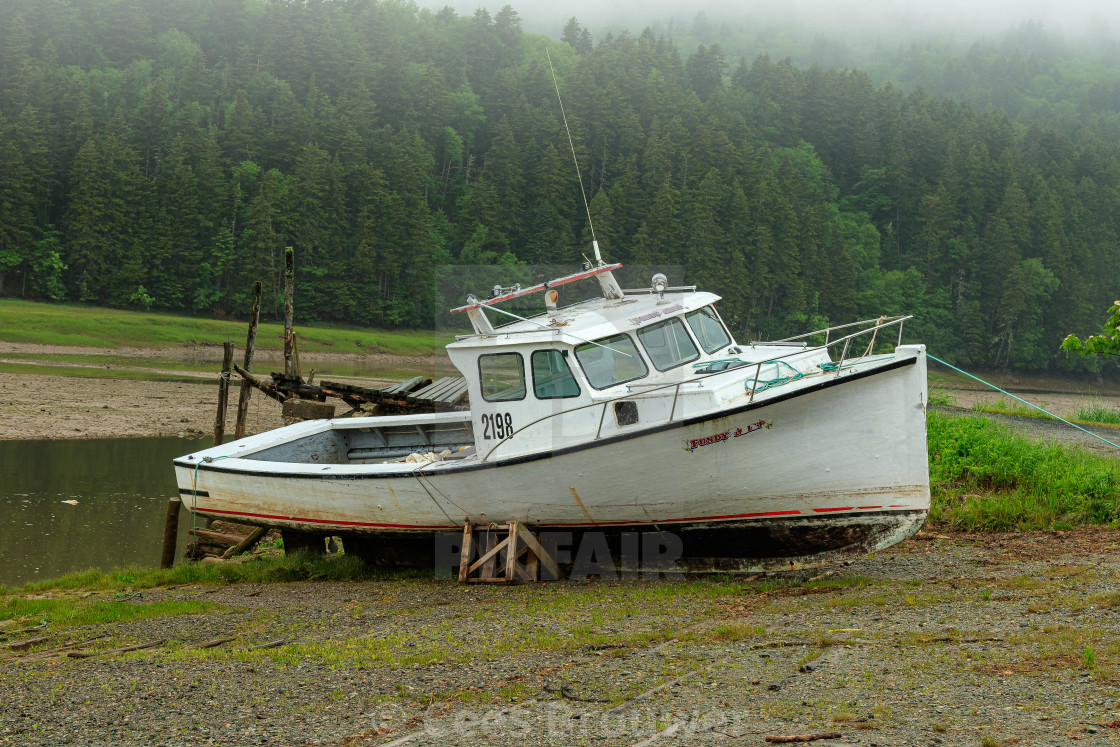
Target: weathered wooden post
289,309
250,349
223,394
171,532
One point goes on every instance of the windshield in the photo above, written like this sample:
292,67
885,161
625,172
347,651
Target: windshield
606,367
668,345
708,329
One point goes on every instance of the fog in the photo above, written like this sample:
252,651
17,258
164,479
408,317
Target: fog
854,19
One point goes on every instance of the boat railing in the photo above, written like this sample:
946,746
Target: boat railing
651,291
882,321
838,366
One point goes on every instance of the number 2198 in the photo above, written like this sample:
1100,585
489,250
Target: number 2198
499,425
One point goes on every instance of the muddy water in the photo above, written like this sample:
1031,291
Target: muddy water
121,487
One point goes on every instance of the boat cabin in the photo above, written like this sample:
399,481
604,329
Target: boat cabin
644,351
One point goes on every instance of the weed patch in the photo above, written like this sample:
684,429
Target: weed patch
985,478
62,613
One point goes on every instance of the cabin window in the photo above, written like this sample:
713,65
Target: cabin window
552,379
626,412
708,329
502,376
668,344
615,360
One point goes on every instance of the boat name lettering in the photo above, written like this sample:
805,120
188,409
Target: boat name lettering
645,317
671,309
692,444
498,425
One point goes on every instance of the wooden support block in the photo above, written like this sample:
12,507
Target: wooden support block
515,558
511,552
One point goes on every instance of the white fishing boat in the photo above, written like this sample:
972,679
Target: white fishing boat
633,411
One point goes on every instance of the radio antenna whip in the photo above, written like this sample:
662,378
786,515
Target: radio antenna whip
564,116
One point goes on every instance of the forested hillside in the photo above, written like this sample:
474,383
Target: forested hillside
162,153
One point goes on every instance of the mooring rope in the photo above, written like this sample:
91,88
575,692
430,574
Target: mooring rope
194,487
1028,404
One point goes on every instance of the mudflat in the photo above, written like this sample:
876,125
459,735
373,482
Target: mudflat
39,405
945,639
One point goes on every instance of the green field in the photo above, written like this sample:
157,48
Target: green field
89,326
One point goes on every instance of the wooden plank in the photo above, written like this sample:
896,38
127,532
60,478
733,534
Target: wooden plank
455,390
402,386
467,551
434,386
217,538
537,550
488,559
447,384
246,543
511,551
428,393
455,395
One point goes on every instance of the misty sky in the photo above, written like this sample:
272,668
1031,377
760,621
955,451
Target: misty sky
962,18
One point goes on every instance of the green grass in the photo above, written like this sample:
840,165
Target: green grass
61,613
941,397
1010,407
983,477
89,326
1098,413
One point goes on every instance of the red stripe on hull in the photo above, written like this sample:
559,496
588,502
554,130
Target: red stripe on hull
300,520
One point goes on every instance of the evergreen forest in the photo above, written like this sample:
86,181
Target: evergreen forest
162,154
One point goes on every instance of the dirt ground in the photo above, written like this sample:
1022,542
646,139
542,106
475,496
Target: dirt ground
34,406
945,639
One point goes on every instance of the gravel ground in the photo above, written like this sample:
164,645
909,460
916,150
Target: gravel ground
970,640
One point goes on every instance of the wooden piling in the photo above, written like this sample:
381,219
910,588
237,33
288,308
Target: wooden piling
171,532
289,309
223,395
250,349
295,354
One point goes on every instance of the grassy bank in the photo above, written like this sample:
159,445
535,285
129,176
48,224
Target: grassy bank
88,326
984,477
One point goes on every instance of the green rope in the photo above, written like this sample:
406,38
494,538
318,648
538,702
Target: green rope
1028,404
762,385
194,487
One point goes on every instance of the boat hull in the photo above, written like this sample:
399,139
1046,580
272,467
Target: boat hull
807,476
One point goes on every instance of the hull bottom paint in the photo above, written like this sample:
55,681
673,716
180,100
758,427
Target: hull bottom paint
739,546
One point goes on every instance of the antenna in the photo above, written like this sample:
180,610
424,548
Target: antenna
564,116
